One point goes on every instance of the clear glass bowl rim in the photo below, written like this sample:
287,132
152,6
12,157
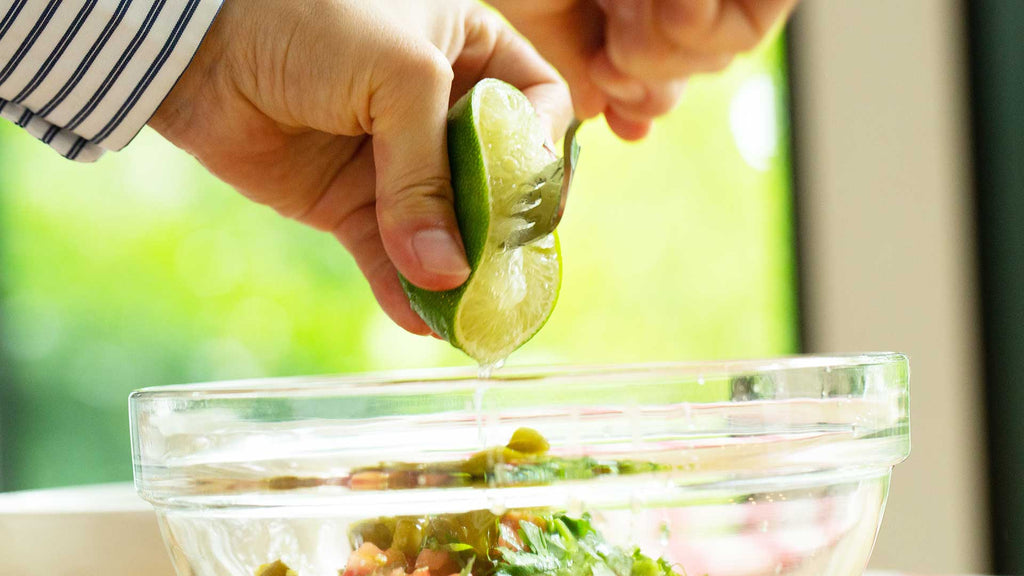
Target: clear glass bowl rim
227,424
435,380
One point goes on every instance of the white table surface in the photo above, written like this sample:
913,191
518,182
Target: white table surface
103,530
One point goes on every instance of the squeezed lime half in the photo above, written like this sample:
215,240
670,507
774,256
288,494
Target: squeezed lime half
495,148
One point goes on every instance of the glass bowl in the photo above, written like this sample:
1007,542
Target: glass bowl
774,467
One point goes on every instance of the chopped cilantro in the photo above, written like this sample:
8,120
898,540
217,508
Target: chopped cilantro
572,547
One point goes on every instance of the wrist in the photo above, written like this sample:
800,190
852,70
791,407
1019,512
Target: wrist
176,112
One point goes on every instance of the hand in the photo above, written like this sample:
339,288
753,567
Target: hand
333,112
630,59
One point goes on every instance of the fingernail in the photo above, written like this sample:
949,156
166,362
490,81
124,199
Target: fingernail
440,253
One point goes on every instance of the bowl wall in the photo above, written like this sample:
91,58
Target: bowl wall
762,467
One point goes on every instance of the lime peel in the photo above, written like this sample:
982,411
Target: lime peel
495,147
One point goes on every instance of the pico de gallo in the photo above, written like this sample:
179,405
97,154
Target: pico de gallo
528,542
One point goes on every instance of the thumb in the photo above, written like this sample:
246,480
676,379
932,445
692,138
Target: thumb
414,195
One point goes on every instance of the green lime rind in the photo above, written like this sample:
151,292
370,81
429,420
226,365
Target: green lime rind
470,188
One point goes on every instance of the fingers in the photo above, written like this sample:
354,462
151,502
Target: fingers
719,26
637,46
625,128
568,33
616,85
652,46
359,233
634,105
492,50
415,214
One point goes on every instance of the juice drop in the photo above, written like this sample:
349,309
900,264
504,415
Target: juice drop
478,411
483,375
485,371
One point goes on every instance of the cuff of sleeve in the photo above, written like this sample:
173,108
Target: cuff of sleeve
169,48
66,143
86,75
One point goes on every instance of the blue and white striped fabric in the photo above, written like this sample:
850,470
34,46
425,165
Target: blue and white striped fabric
85,76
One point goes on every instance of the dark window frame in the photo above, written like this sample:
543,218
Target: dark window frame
996,52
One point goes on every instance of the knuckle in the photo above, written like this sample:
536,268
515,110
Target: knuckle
357,230
482,28
429,199
484,22
378,270
628,53
415,66
430,65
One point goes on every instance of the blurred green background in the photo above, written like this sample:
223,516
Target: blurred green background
142,270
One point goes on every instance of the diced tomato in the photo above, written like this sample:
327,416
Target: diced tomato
365,560
437,561
369,560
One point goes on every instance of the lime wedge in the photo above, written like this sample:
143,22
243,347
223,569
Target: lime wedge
495,147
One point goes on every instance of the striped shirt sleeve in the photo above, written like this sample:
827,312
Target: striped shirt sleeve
85,76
